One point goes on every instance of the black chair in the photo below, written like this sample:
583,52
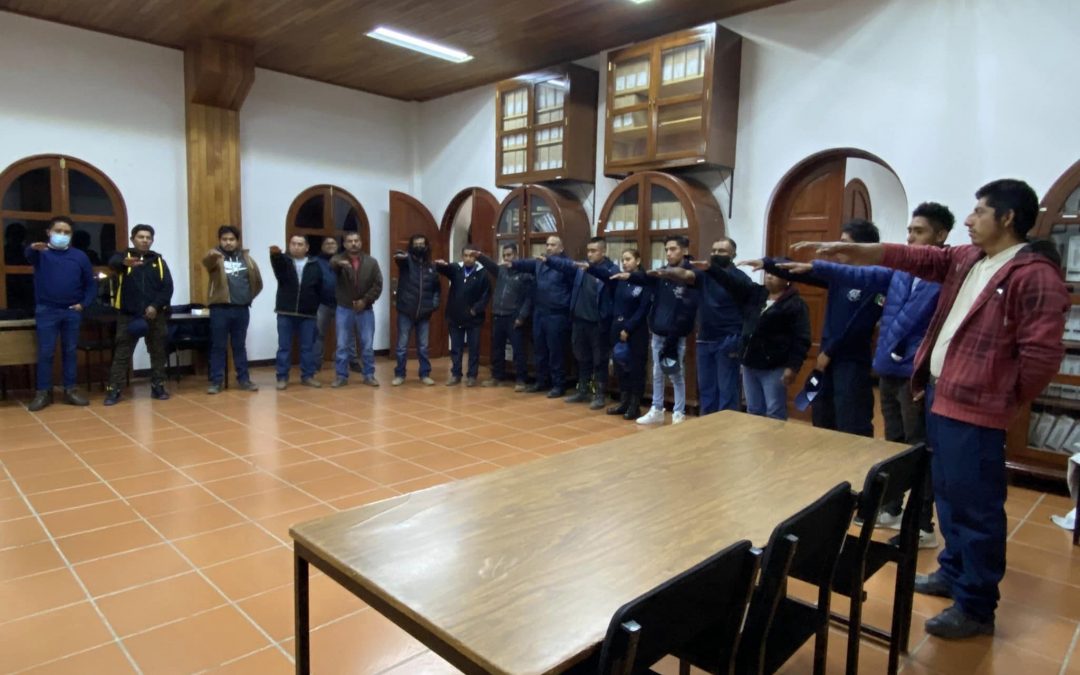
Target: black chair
193,336
778,625
97,335
862,557
685,607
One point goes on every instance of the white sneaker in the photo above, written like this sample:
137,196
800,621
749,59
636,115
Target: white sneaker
654,416
927,539
397,381
888,520
678,418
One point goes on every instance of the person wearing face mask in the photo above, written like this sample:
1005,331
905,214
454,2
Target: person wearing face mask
234,283
64,286
143,294
417,299
466,303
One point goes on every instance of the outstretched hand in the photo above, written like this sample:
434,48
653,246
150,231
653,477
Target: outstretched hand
700,264
582,265
400,255
440,262
275,250
542,258
796,267
757,264
39,246
621,276
839,251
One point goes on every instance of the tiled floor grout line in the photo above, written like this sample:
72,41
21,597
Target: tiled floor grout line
1069,651
71,570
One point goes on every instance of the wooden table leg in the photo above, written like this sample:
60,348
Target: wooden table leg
303,633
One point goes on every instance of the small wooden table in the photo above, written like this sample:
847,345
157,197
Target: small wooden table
520,570
18,347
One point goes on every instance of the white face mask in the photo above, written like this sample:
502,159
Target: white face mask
57,240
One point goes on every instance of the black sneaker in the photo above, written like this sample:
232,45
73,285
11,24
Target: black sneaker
932,584
158,393
955,624
556,392
535,388
112,397
73,397
42,399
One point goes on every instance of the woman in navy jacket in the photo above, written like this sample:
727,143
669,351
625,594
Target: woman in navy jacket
628,325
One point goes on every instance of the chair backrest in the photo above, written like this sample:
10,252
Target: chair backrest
903,472
711,596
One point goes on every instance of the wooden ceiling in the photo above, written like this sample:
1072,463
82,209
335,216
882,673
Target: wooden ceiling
324,39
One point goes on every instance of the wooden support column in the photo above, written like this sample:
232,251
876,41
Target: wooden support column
217,79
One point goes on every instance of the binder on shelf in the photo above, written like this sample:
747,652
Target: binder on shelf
1072,264
1033,424
1042,430
1055,440
1072,442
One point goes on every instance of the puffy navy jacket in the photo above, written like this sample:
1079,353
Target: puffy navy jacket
554,286
591,298
418,287
904,318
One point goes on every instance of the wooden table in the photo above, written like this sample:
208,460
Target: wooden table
18,342
520,570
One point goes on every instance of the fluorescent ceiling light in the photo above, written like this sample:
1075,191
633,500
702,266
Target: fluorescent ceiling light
417,44
639,2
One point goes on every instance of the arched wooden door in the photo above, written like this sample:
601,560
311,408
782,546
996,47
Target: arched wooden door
408,217
483,208
857,201
808,206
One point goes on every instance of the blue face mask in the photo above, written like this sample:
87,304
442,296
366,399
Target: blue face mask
59,240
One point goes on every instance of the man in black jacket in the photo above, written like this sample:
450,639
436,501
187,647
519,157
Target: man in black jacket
417,299
551,316
465,306
510,311
299,293
144,291
591,306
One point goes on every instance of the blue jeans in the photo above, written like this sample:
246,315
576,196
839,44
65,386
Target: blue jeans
550,331
348,325
460,336
303,327
678,381
968,470
422,328
328,315
718,374
846,400
52,323
228,324
765,392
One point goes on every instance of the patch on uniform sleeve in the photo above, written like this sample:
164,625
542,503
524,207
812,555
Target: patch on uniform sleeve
879,300
854,295
636,291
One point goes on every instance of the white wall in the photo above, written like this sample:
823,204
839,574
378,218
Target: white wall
888,202
296,133
117,104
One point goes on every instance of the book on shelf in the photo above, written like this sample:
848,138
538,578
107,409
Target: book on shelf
1059,432
1072,442
1042,430
1033,423
1072,256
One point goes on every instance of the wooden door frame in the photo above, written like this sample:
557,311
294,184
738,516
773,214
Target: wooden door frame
482,237
438,335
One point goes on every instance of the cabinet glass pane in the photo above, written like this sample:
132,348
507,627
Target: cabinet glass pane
18,234
510,221
616,246
310,214
513,148
29,192
537,249
631,83
96,240
682,70
1067,240
629,135
549,148
86,196
551,101
679,129
346,218
515,109
1072,204
667,211
624,214
656,258
541,215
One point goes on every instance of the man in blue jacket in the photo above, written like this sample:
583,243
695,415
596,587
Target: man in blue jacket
909,304
719,338
846,399
551,316
63,287
591,303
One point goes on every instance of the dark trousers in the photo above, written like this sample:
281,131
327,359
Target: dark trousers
632,374
905,422
51,324
718,374
502,330
968,468
590,343
846,400
125,347
305,330
228,325
550,331
461,337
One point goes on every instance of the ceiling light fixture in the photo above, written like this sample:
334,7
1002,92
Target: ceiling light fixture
396,37
639,2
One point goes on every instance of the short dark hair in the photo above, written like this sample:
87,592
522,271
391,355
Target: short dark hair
682,240
1009,194
140,227
734,246
350,234
413,239
598,240
512,246
938,215
228,229
862,231
61,219
299,236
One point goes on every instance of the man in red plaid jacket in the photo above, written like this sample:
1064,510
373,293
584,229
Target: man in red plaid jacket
994,343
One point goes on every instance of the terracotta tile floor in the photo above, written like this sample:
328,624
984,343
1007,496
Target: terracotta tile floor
153,537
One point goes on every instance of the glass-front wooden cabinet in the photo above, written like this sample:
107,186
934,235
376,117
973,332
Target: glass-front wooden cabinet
673,102
545,127
532,213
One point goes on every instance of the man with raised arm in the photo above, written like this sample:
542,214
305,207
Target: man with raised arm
993,344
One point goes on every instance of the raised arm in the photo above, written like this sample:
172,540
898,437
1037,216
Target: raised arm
809,278
734,281
490,266
874,279
529,265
